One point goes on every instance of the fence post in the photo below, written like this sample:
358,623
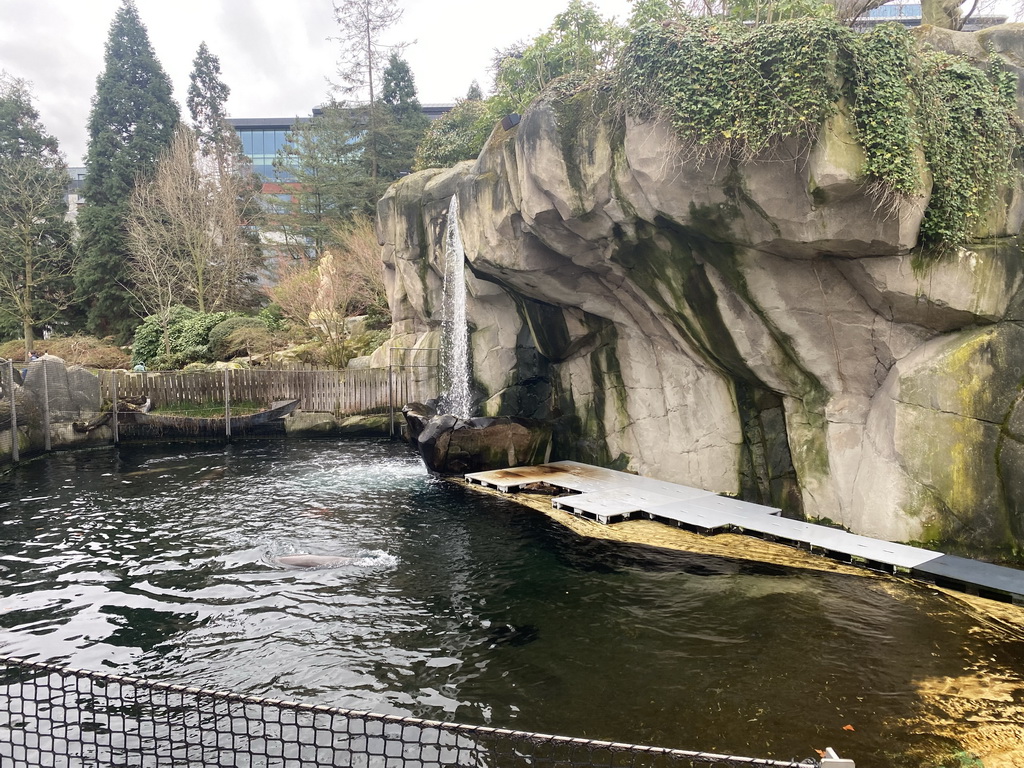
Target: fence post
227,405
113,405
46,408
391,391
14,412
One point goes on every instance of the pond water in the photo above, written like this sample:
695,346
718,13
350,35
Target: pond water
158,561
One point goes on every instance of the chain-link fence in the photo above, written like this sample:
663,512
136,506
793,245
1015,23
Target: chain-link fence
54,717
9,443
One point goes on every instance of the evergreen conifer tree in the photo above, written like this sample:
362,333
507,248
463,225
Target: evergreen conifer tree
207,95
35,239
361,26
132,120
323,173
402,123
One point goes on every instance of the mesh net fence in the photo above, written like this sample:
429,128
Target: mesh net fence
55,717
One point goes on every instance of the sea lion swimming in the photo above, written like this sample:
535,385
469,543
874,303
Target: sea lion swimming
305,560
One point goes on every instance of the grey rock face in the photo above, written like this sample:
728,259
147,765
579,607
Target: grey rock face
453,446
757,328
52,392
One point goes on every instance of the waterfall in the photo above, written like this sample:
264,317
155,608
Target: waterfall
455,396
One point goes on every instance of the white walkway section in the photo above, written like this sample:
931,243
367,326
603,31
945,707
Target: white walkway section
609,496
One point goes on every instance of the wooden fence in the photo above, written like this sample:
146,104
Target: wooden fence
344,392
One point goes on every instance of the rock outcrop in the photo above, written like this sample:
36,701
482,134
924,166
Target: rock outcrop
453,446
49,395
758,327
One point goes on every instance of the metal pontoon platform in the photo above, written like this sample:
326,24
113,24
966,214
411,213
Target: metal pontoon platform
608,496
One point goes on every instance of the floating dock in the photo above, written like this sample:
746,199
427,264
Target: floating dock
609,496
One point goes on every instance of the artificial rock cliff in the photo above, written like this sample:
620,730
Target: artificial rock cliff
758,327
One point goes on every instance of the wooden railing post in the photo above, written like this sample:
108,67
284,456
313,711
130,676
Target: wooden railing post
113,405
391,391
227,405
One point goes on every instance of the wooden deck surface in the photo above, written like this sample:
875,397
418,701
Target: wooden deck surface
609,496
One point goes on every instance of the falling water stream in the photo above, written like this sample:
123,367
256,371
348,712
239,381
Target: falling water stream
159,561
455,396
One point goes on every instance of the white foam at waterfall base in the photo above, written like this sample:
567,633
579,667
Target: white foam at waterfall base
455,394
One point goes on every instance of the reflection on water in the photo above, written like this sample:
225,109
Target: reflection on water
159,562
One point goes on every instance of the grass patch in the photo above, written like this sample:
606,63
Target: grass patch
209,410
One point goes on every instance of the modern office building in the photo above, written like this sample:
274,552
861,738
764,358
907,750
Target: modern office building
74,194
263,137
909,15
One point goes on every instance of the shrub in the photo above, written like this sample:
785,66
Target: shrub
193,332
455,136
148,342
272,316
223,341
180,338
87,351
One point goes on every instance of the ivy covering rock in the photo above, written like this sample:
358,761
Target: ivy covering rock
733,90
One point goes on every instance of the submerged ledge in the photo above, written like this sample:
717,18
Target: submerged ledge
982,714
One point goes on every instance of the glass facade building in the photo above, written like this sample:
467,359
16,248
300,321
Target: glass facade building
262,138
896,11
908,13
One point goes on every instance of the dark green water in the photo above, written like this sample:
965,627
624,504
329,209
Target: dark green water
158,562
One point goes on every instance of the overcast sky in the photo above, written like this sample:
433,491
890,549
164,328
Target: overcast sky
275,55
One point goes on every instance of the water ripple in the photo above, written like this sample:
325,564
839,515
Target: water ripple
160,561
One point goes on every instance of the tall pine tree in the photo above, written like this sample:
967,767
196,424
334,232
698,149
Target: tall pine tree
207,95
231,178
324,180
402,122
361,27
132,120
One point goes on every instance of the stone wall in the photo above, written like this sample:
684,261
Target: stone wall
759,327
73,396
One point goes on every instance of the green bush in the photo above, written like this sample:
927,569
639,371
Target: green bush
194,332
455,136
222,340
181,358
733,91
272,316
149,336
187,337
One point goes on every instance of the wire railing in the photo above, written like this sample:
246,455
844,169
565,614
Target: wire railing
56,717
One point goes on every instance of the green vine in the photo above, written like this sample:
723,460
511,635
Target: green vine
970,137
882,76
732,90
728,88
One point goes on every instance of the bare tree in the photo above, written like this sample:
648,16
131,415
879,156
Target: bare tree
364,54
154,262
321,295
362,265
187,233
